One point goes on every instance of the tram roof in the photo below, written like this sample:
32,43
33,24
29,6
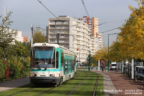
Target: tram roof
45,44
66,50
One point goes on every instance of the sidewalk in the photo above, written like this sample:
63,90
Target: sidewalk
109,88
13,84
124,85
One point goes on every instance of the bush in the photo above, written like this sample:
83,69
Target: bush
2,70
14,71
26,66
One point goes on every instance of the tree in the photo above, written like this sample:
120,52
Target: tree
14,58
5,36
101,54
115,54
130,43
38,36
132,34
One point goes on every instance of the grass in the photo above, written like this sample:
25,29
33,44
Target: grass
100,87
81,85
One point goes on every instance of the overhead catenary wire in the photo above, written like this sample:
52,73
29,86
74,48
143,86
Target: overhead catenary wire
85,8
110,30
47,8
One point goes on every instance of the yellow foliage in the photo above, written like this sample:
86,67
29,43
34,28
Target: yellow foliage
131,37
101,54
131,8
28,59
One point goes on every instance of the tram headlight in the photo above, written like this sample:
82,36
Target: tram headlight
52,75
32,74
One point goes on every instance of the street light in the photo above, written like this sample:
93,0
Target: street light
89,60
108,47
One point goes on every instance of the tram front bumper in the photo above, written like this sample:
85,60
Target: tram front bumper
45,79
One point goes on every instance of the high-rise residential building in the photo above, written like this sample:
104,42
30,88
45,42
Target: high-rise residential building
100,41
25,39
96,40
94,26
74,34
17,35
79,35
93,45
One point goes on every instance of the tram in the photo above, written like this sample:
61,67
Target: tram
51,63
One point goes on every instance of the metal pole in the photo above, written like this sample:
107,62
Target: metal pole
47,41
79,56
89,61
108,52
32,35
57,35
132,67
98,65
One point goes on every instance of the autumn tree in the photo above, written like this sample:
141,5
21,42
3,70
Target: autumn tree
115,53
132,34
101,54
38,36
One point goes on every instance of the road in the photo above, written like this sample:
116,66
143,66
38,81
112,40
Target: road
13,84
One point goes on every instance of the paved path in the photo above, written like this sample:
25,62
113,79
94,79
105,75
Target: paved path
13,84
125,85
109,88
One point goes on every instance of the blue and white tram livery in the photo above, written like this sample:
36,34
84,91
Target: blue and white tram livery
51,63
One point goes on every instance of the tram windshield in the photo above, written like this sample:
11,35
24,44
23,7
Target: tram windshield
43,57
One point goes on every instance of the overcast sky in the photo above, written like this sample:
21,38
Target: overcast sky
112,13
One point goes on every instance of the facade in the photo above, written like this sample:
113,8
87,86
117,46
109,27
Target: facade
100,41
25,39
94,27
17,35
93,45
96,40
74,34
79,35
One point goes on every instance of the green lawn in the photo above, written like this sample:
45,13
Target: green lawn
81,85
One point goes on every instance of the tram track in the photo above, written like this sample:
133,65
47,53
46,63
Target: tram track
44,91
95,87
77,86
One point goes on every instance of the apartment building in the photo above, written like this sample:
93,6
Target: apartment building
74,34
79,35
17,36
96,39
93,45
100,41
93,25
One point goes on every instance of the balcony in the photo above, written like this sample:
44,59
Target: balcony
63,28
63,22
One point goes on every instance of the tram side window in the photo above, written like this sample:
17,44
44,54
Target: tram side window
66,65
62,58
73,65
52,62
57,55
